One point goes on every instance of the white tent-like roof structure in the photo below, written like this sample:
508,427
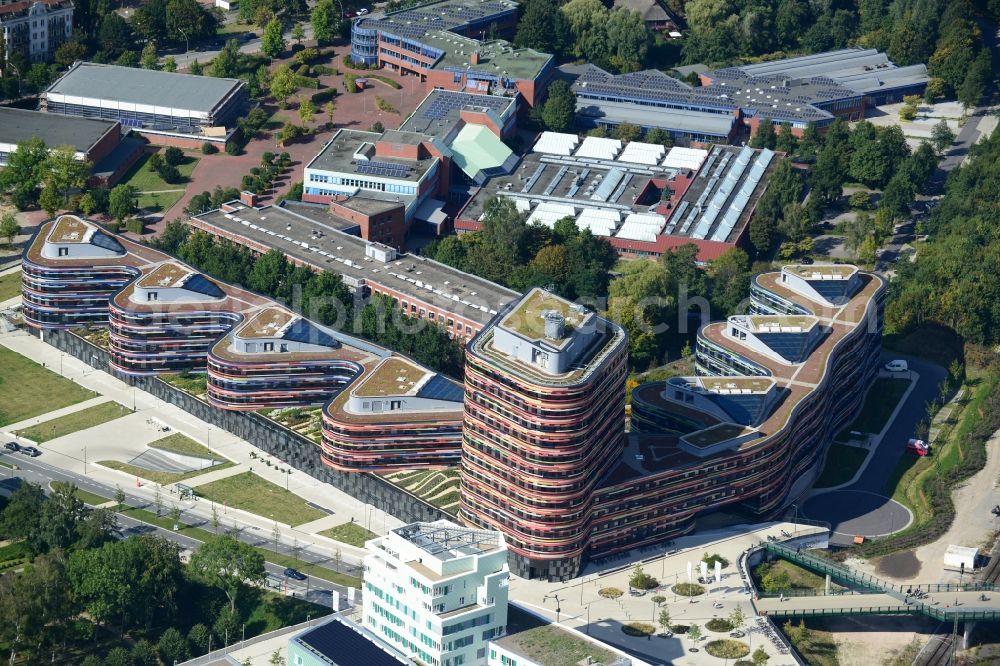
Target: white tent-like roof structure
600,221
637,152
549,213
641,227
685,158
556,143
599,148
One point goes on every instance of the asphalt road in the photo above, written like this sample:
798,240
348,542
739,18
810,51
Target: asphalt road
314,589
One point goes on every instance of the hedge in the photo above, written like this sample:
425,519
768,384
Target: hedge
323,96
384,79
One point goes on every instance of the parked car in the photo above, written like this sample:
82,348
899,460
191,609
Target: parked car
13,447
295,573
362,11
30,451
897,365
807,261
918,446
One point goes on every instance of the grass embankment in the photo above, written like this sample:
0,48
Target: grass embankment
924,485
81,420
195,384
175,443
251,493
782,576
817,647
10,285
28,390
93,499
842,463
883,396
350,533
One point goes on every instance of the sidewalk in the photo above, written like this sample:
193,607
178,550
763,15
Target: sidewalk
219,441
582,608
56,413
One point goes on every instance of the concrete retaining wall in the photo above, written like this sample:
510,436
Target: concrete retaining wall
292,448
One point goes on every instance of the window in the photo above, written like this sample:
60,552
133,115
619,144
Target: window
152,296
395,404
268,346
63,251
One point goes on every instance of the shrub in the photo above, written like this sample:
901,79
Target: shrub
710,560
639,629
350,83
155,161
170,174
384,79
610,592
233,148
323,96
727,648
860,200
679,628
173,156
135,225
641,580
323,70
208,148
719,624
689,589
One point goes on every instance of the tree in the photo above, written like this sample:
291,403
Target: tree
118,656
559,110
283,83
307,110
935,90
908,112
24,171
173,155
694,633
629,37
325,23
122,202
298,33
9,228
272,42
69,52
144,654
764,137
20,517
641,580
149,59
276,659
228,564
226,624
169,64
738,617
199,638
329,109
776,581
542,27
226,63
627,132
759,657
64,173
187,20
786,141
977,80
794,222
941,136
115,35
663,619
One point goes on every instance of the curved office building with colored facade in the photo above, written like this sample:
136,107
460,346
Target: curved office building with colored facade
164,317
747,433
544,418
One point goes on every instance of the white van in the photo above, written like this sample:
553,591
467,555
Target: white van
898,365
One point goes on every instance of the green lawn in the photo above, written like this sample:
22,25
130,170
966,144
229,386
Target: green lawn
841,464
249,492
162,478
146,181
545,643
882,398
93,499
81,420
350,533
27,389
195,384
180,443
10,285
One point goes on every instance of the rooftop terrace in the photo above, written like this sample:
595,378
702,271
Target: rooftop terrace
394,376
717,434
439,112
545,643
822,271
268,323
527,319
445,540
166,275
70,229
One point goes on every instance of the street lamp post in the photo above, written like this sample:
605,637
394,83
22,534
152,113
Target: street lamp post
795,519
558,608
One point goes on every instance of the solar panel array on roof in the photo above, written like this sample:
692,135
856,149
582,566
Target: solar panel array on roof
641,227
302,330
739,202
346,645
556,143
637,152
388,169
726,187
599,148
441,388
200,284
685,158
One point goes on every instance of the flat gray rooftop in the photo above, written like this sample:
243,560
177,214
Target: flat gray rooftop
54,129
144,86
338,156
291,231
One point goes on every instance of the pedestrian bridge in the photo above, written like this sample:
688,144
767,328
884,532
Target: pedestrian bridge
943,602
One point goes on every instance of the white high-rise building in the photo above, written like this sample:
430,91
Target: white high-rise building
437,591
